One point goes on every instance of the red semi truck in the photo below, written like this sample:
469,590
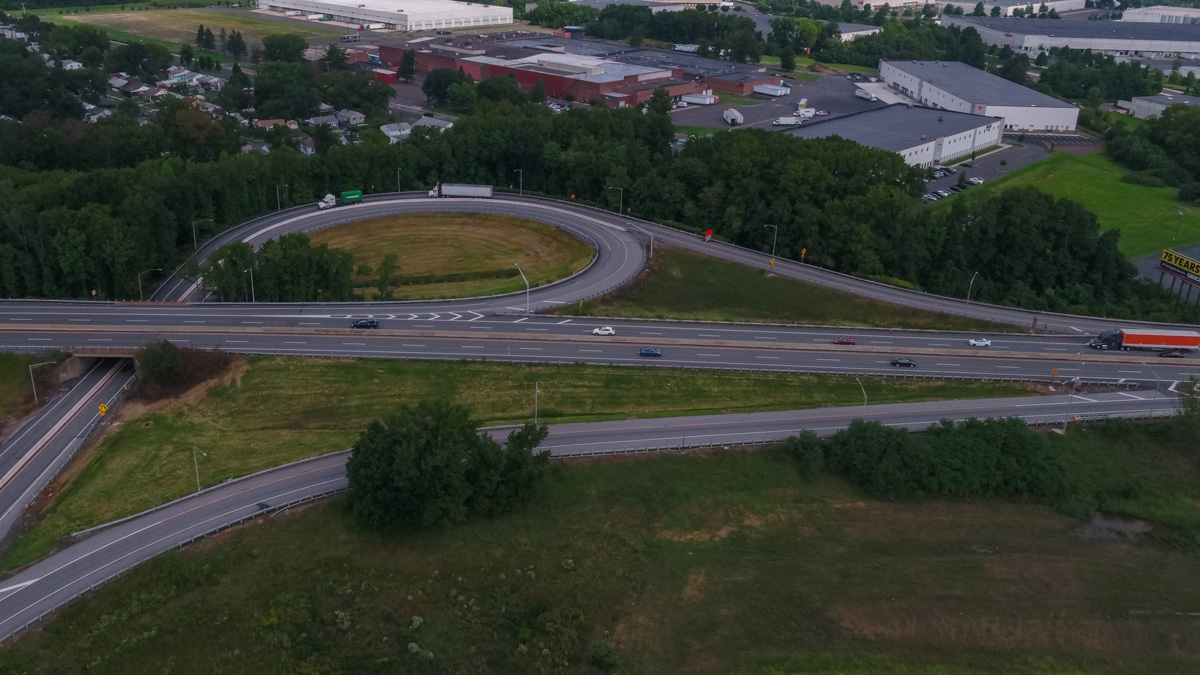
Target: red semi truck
1153,340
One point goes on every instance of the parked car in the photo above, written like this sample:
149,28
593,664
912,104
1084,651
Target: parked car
365,323
979,342
931,197
975,180
1173,353
604,330
904,361
821,113
649,351
956,188
949,169
943,193
845,341
967,165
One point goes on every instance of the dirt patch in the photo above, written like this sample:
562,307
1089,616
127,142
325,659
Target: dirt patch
695,586
1110,528
132,410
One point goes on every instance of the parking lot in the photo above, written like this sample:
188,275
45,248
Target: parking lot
831,92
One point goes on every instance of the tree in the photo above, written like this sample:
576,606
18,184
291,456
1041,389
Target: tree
787,59
408,66
235,95
995,10
635,39
660,102
210,40
979,10
286,47
200,36
505,88
383,280
1041,60
159,363
186,52
437,84
334,58
223,40
537,93
236,46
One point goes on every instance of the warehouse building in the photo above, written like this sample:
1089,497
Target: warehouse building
400,14
1119,38
1162,15
850,31
1143,107
924,137
952,85
1007,6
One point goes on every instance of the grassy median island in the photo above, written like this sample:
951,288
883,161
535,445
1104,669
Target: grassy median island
684,285
726,562
276,410
447,255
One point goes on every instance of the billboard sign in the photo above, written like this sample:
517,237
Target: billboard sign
1181,266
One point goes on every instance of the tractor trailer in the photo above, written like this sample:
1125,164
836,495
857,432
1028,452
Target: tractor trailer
456,190
733,117
348,197
1151,340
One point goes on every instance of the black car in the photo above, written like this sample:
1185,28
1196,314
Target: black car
904,361
1174,353
365,323
649,351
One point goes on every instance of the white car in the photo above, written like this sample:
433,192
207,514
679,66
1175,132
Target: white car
979,342
605,330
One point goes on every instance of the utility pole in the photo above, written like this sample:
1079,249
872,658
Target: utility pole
526,287
1154,401
156,269
773,239
971,285
32,383
520,181
196,462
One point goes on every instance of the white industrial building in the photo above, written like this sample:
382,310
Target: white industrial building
1007,6
952,85
1143,107
1120,38
1162,14
850,31
922,136
400,14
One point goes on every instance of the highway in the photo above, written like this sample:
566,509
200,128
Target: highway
55,580
38,451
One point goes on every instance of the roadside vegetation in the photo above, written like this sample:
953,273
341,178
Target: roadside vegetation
447,255
275,410
16,390
684,285
737,562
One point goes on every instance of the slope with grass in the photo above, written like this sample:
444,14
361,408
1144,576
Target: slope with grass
1148,218
278,410
449,255
722,563
16,395
682,285
179,25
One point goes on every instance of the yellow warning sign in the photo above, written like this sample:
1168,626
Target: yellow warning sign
103,409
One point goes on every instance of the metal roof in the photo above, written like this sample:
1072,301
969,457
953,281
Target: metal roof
1170,100
1116,30
896,127
976,86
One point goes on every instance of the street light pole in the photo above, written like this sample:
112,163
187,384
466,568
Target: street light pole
397,179
1078,382
31,381
526,287
156,269
971,285
536,391
864,391
520,181
773,239
621,207
278,204
195,241
196,462
251,271
1154,401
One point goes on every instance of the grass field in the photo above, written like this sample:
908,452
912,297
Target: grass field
722,563
430,247
1147,217
178,26
805,62
280,410
16,394
681,285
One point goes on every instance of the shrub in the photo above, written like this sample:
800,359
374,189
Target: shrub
603,656
166,370
809,452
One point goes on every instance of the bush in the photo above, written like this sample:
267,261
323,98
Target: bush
603,656
166,370
809,452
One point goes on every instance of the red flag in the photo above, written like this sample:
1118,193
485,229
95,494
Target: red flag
708,235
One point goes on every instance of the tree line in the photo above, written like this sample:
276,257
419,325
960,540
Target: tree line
1165,151
287,269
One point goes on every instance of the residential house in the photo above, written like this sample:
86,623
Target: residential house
308,146
257,146
351,117
12,32
126,85
68,64
239,118
267,124
328,120
396,132
427,121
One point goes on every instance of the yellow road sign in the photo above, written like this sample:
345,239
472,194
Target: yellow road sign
772,262
103,409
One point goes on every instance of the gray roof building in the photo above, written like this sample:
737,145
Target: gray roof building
975,85
1031,36
896,128
1143,107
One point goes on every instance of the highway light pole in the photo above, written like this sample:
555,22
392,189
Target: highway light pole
196,462
526,287
156,269
251,271
278,204
864,391
520,181
195,241
31,381
773,239
621,207
971,285
397,179
1078,381
1154,401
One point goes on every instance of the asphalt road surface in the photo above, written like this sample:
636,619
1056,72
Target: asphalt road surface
63,576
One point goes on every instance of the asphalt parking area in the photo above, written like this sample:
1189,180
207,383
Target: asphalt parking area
830,92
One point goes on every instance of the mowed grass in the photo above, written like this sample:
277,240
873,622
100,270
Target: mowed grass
179,25
722,563
279,410
1148,218
683,285
472,244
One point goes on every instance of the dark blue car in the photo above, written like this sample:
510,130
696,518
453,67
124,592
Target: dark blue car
650,351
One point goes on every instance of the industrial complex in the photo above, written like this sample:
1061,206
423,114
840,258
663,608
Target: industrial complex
922,136
1143,107
399,14
953,85
1123,38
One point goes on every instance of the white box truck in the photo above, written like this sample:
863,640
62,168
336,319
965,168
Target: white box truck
733,117
862,93
786,122
771,90
698,99
459,190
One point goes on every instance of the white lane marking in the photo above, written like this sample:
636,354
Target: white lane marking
528,349
19,319
562,322
834,360
412,345
1010,367
1055,349
521,319
554,302
187,321
947,364
1089,400
480,327
177,340
880,342
294,343
78,319
355,344
646,332
1075,329
99,339
1140,398
470,346
717,355
542,329
252,322
423,325
939,344
23,584
996,347
307,323
235,341
1133,372
766,357
592,351
136,320
39,339
708,335
760,337
516,309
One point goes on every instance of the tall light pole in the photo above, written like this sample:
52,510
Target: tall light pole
196,462
195,241
278,204
251,271
526,287
864,391
971,285
621,208
536,391
1178,225
1078,381
648,234
397,179
1154,401
31,381
773,239
520,181
156,269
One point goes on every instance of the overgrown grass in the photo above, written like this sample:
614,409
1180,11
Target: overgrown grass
726,563
1148,218
727,98
178,26
681,285
281,410
16,395
482,247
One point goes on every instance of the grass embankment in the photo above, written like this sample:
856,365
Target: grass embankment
446,255
281,410
726,563
178,26
1148,218
16,396
682,285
